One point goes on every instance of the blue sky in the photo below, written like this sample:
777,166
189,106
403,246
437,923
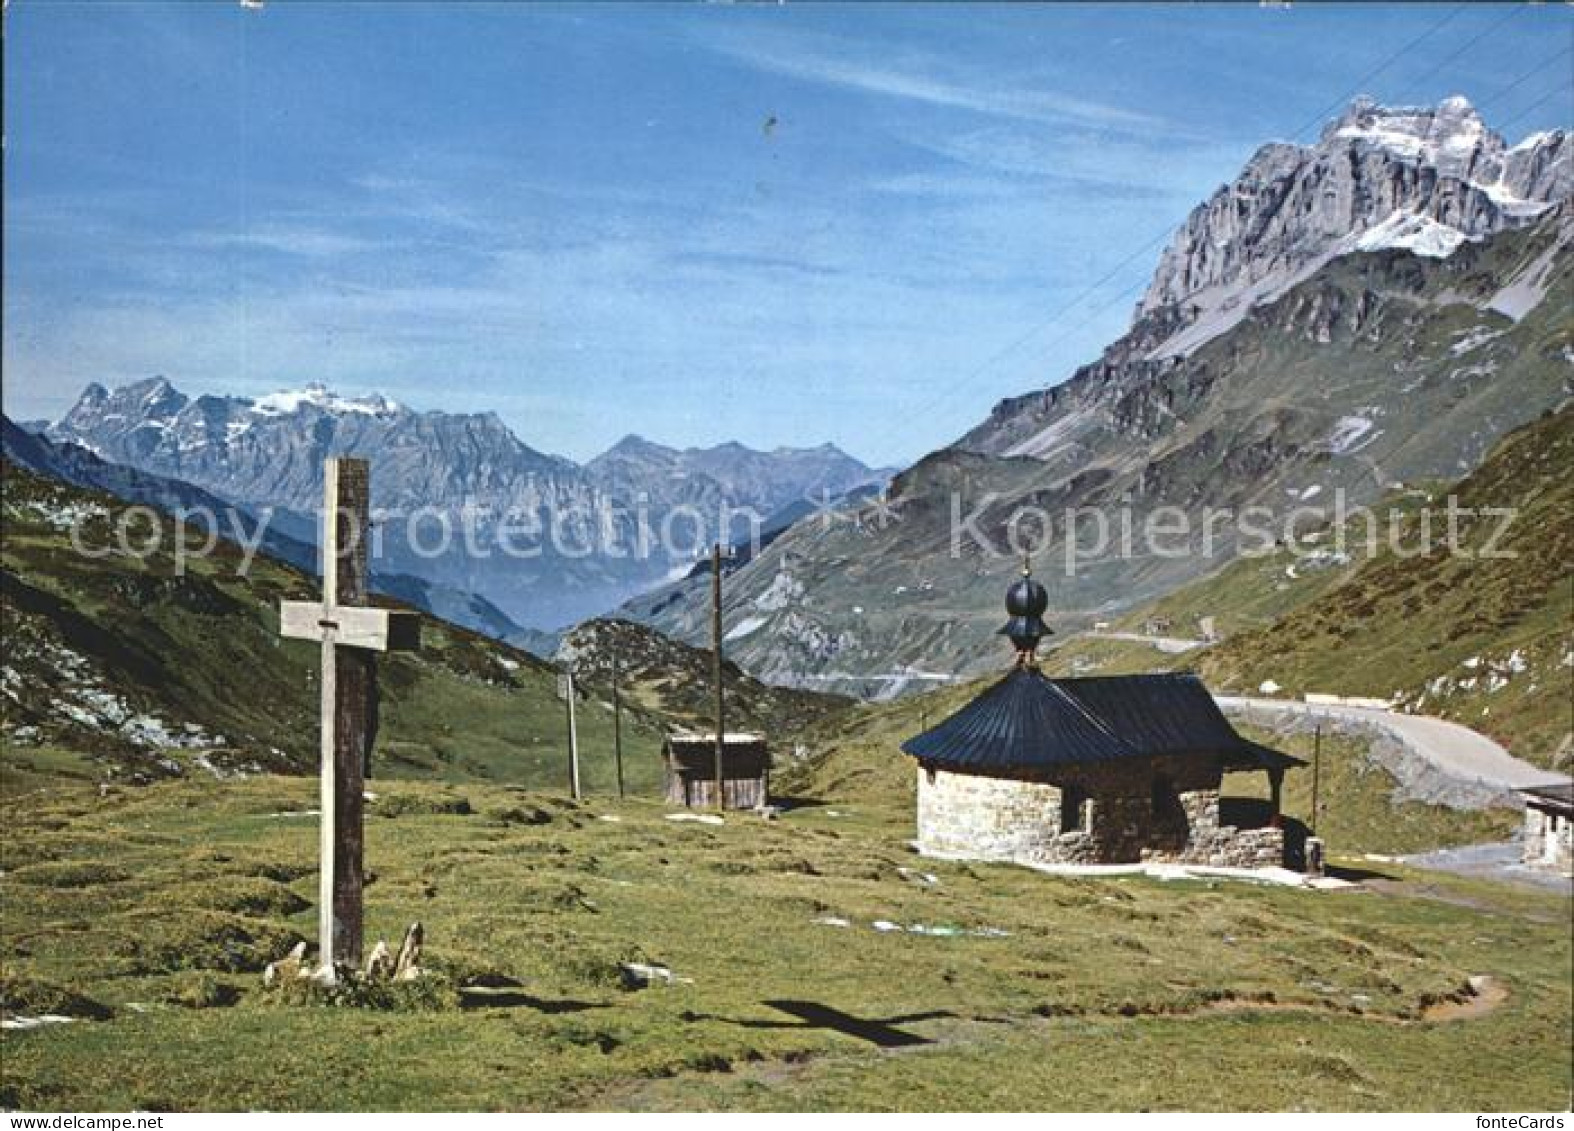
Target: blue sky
781,225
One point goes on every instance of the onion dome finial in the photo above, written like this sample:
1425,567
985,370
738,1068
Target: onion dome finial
1026,602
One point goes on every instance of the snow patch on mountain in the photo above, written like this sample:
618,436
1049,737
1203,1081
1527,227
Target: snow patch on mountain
320,396
1524,292
1473,339
69,516
1042,445
1420,234
1452,129
744,627
783,591
1348,433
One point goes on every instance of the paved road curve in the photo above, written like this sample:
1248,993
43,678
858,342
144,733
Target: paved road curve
1454,750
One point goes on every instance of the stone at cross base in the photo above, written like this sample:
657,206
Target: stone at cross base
408,967
382,966
380,963
292,965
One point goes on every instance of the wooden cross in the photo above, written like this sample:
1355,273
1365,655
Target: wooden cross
350,634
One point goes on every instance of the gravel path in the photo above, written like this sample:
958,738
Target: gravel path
1491,861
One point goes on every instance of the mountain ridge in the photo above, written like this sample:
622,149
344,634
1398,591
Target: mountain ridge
78,466
1381,365
1424,178
524,515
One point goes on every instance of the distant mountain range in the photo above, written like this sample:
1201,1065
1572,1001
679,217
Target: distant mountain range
1379,307
767,482
76,465
127,669
530,516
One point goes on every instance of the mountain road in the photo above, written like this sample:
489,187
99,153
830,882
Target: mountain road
1453,750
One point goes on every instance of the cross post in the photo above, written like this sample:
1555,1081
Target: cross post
351,634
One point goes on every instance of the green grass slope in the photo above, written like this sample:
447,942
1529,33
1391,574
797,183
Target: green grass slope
126,668
147,915
1481,640
673,680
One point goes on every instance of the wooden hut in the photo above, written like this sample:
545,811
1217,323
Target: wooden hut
690,761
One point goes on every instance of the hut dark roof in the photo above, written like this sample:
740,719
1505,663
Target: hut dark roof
732,738
1028,720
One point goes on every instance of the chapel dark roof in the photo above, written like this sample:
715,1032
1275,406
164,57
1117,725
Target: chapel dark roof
1029,721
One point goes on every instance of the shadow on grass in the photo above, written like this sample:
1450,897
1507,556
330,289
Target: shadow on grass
512,997
1356,875
880,1031
789,804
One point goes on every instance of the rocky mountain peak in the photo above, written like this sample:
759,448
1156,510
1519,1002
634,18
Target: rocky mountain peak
635,445
1451,138
1453,118
1426,179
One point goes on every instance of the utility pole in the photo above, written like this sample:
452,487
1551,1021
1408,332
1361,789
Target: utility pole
1317,765
715,640
617,725
567,684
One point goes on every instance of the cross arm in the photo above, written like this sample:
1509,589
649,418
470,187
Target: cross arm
380,630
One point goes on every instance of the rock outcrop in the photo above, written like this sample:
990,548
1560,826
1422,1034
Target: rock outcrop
1426,179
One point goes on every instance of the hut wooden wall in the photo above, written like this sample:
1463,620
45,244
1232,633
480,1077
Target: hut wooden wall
700,793
691,775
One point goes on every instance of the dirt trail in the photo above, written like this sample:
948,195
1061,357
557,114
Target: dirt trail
1487,993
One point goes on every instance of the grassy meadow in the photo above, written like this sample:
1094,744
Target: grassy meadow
148,913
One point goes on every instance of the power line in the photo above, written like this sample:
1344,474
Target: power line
1471,42
971,377
1339,103
1000,355
1537,104
1537,69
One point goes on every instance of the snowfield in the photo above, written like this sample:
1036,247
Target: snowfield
1350,434
292,400
1419,234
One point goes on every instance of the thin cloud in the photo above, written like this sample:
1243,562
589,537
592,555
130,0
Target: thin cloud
301,242
923,79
